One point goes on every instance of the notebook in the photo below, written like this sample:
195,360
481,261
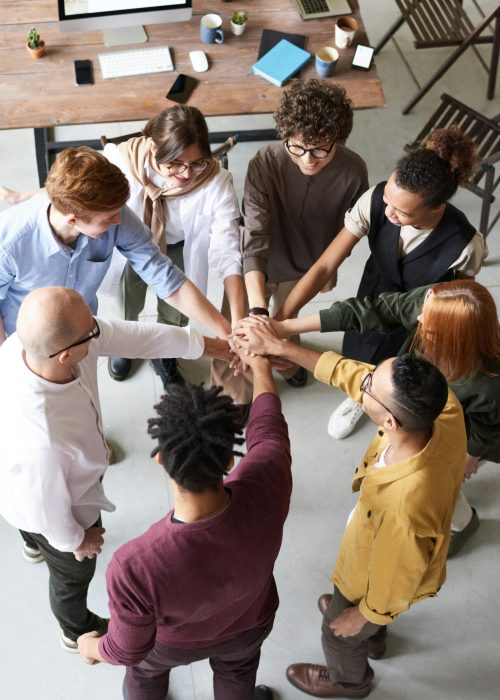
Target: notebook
271,37
315,9
281,62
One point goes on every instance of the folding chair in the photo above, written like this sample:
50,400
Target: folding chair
220,152
445,23
486,135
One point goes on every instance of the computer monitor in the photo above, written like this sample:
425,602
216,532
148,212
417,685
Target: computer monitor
121,20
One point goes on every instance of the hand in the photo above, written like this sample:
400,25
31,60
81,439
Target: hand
91,544
257,335
88,648
348,623
471,466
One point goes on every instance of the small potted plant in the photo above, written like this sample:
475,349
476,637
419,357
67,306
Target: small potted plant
239,22
35,45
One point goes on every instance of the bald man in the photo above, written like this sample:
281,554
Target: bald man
53,453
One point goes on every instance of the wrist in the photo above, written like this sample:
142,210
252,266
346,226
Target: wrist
258,311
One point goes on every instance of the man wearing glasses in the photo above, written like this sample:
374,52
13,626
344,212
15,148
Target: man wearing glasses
53,452
393,552
296,194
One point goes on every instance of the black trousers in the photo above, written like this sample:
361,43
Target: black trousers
69,581
234,664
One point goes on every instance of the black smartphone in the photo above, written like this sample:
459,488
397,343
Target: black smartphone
182,88
83,73
363,57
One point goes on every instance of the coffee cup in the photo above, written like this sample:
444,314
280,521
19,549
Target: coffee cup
326,61
210,29
345,31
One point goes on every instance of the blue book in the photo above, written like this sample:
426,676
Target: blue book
281,62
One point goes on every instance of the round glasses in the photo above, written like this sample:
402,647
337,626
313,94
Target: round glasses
94,334
197,166
318,153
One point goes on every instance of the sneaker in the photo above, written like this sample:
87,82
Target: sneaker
69,645
31,554
263,692
167,370
459,537
344,419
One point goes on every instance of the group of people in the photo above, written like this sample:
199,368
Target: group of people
421,358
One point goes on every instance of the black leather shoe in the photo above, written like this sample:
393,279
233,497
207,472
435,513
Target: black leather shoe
166,369
299,379
119,367
262,692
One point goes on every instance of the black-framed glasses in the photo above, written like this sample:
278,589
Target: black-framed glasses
364,388
197,166
319,153
94,334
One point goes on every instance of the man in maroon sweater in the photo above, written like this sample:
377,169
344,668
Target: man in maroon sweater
199,583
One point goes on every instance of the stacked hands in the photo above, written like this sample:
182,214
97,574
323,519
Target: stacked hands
257,336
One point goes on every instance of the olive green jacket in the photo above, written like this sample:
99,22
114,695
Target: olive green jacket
479,394
393,552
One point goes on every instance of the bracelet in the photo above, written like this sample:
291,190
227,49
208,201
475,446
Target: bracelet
258,311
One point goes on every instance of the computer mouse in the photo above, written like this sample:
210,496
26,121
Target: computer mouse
199,61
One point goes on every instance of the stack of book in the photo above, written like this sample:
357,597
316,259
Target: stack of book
281,56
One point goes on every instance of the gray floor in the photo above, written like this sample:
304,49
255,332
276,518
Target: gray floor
442,648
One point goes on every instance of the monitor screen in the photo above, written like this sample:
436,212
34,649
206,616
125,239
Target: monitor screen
80,15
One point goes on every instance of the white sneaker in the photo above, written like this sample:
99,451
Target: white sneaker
344,418
68,644
34,556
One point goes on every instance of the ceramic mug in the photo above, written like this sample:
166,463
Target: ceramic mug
345,31
210,29
326,61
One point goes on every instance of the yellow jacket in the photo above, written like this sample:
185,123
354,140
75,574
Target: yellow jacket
394,549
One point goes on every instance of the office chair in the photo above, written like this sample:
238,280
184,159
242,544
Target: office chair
220,152
445,23
486,135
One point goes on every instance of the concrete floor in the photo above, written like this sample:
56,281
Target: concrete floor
443,648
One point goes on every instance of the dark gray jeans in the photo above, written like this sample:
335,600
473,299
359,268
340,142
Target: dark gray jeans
347,657
234,664
69,581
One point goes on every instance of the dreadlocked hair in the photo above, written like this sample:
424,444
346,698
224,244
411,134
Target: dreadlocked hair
196,429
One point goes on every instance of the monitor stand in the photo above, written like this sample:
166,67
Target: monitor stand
125,35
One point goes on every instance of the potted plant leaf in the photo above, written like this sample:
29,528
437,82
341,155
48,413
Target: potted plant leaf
35,45
239,22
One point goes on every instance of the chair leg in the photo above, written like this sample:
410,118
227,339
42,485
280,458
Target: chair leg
489,179
383,41
494,59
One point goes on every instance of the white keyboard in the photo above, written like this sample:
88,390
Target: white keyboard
118,64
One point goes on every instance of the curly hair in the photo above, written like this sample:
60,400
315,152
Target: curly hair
176,129
82,181
315,110
196,429
419,390
446,160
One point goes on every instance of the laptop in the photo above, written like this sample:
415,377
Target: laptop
315,9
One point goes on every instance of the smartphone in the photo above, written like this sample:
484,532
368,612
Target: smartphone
182,88
363,57
83,73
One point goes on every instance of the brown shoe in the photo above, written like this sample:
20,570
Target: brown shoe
315,680
376,649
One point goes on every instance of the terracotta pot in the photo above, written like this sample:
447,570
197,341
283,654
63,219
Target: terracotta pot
37,53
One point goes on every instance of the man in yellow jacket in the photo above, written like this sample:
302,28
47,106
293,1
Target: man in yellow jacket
394,549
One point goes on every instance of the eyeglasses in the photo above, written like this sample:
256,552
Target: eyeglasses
365,386
94,334
319,153
198,166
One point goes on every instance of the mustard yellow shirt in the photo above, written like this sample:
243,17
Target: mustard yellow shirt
394,549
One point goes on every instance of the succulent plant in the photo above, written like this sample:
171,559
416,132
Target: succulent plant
33,38
239,17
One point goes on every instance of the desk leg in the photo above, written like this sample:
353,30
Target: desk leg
42,155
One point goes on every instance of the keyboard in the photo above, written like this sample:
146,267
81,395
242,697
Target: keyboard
118,64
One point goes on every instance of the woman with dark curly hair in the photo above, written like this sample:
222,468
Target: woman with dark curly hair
415,237
297,193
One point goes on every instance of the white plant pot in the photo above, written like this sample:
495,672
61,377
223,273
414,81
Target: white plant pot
238,29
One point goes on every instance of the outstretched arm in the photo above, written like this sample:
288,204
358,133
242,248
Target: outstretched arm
190,301
319,274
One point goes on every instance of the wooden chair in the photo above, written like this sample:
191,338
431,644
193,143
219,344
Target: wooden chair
220,152
445,23
486,135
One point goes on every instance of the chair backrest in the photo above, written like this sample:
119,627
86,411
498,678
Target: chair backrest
220,152
436,22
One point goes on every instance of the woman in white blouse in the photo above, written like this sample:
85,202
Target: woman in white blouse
187,199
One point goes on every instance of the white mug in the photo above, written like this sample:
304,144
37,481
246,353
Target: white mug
345,31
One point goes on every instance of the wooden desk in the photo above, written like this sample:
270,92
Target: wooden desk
42,93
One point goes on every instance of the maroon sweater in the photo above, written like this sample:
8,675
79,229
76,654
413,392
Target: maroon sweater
192,585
